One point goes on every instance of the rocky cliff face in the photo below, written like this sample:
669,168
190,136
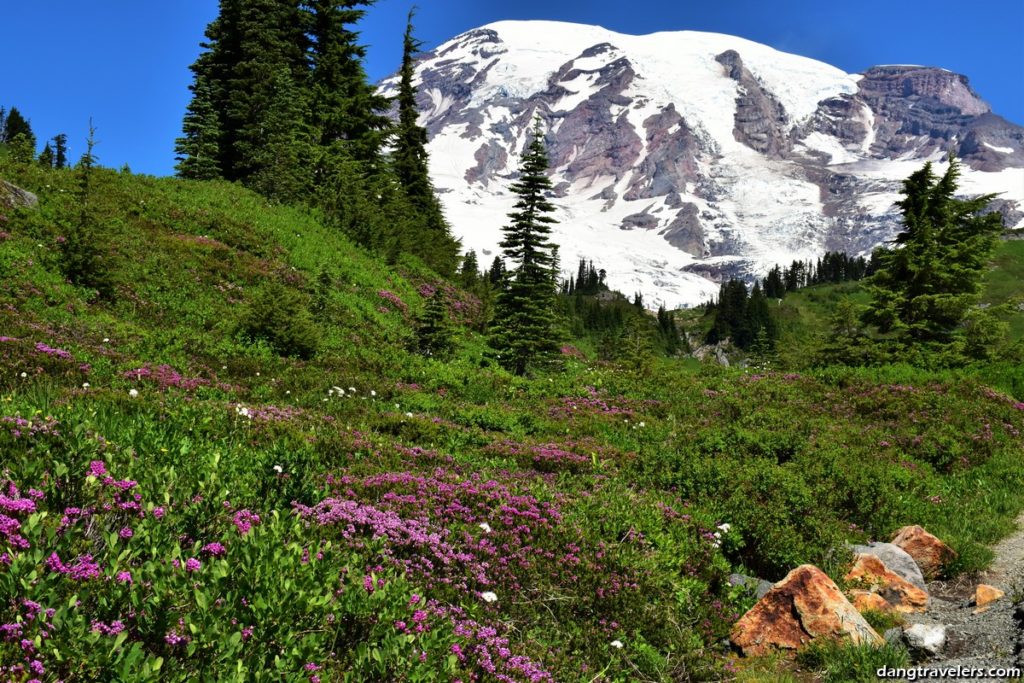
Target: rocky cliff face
683,158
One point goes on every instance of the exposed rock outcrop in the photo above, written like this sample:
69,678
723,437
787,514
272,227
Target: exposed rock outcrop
760,120
13,197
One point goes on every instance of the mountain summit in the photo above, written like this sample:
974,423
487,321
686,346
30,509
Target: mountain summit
682,158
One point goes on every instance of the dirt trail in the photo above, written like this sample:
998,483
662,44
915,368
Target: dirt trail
994,638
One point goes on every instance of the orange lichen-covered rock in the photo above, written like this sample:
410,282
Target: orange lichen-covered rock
870,573
803,606
931,554
866,600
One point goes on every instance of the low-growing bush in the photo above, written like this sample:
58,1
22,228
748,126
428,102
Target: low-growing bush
278,315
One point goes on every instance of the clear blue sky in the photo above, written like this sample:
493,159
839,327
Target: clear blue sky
125,63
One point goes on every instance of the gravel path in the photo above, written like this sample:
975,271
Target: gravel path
994,638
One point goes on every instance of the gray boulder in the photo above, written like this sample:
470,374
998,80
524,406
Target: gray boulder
759,586
896,559
13,197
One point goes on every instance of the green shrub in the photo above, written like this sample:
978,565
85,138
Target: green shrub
278,315
844,663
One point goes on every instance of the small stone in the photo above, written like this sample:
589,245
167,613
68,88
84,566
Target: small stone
985,595
930,639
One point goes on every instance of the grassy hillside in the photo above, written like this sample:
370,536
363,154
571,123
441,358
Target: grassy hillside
181,502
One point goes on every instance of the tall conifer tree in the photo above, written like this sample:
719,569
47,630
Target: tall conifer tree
410,161
60,150
925,287
525,311
198,150
344,107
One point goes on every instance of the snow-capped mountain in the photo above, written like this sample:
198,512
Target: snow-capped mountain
682,158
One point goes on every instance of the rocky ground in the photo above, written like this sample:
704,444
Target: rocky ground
994,637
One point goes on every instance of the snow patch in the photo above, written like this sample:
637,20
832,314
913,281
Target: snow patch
1002,150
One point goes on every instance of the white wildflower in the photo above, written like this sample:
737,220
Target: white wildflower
485,526
488,596
338,390
352,389
724,527
24,375
278,469
134,393
408,414
85,385
372,392
617,644
106,339
642,424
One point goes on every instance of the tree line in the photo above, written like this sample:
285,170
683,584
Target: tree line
19,140
281,103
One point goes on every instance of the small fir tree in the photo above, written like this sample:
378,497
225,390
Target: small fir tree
469,275
46,156
525,310
82,257
434,332
60,151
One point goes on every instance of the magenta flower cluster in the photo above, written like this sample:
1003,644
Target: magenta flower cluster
165,377
393,299
20,427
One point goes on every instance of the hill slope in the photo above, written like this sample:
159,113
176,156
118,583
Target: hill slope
191,504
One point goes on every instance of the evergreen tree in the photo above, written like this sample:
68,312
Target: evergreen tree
526,307
926,285
46,156
14,125
470,272
278,166
344,107
82,258
773,285
198,150
60,151
434,243
265,106
669,331
635,346
434,332
239,77
496,274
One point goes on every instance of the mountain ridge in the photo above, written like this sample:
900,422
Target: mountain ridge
682,158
